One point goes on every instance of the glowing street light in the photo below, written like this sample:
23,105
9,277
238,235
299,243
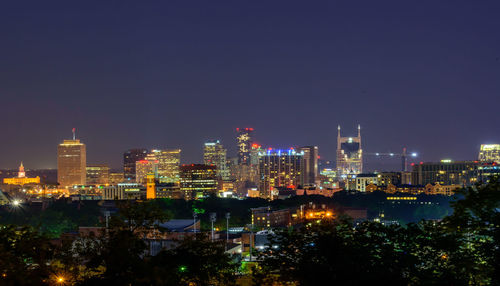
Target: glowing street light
16,203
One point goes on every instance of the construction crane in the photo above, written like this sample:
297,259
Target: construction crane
404,157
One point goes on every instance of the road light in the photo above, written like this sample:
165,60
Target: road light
213,218
228,216
16,203
195,215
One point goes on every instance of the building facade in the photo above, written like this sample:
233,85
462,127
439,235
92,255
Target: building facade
21,178
169,162
349,154
97,175
244,141
71,163
198,181
447,172
310,164
144,167
489,153
130,157
215,154
280,168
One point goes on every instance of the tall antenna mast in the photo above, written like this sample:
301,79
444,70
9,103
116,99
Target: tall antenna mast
74,133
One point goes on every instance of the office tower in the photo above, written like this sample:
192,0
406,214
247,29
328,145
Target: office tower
130,157
97,175
279,168
489,153
215,154
71,163
169,162
244,141
144,167
198,181
254,154
310,164
349,154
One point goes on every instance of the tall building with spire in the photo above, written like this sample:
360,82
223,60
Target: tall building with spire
71,162
21,178
349,154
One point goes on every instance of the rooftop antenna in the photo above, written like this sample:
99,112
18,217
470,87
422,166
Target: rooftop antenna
74,133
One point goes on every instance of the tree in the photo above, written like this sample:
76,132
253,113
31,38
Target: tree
194,261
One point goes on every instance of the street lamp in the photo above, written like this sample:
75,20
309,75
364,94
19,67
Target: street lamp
228,215
195,215
213,218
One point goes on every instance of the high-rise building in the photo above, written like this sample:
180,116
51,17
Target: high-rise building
244,141
349,154
144,167
71,163
215,154
310,164
97,175
130,157
169,162
489,153
280,168
198,180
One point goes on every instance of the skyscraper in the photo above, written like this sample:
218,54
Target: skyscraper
349,154
279,168
130,157
244,141
198,180
145,167
310,164
215,154
169,162
489,153
71,163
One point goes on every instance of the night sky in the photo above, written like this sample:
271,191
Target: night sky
172,74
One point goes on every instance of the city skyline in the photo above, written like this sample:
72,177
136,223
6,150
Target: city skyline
173,75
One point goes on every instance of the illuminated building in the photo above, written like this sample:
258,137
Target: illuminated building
349,154
437,189
255,149
144,167
150,186
279,168
21,178
363,180
310,164
124,191
215,154
71,163
244,140
115,178
168,165
264,217
328,178
448,172
489,153
97,175
130,157
198,181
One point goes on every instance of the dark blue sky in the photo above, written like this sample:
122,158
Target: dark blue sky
172,74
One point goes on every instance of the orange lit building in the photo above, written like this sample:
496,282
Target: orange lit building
21,178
